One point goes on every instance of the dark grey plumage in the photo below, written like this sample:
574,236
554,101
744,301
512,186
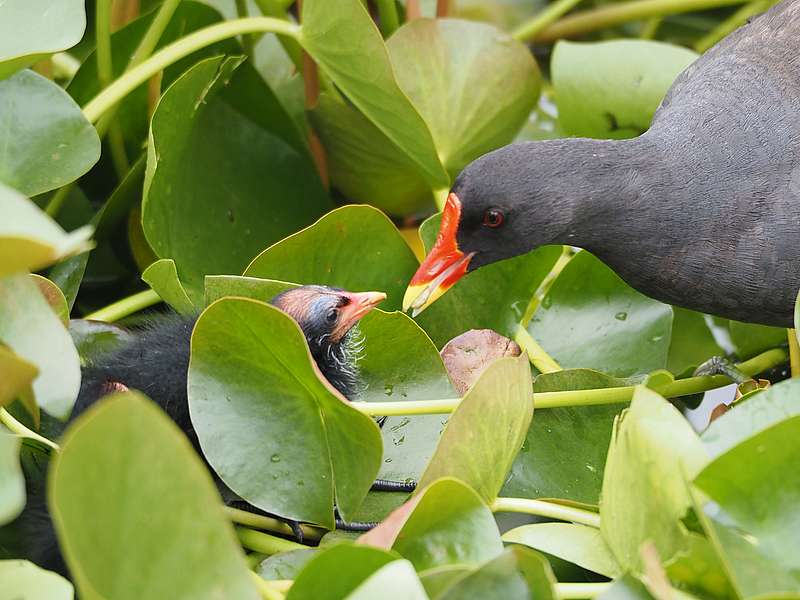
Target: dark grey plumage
701,211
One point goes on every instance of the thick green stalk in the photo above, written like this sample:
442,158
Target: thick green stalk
7,419
536,354
265,590
543,18
126,306
243,517
57,200
794,352
623,12
650,28
265,543
550,510
732,23
387,12
276,9
249,40
153,34
129,81
578,591
105,73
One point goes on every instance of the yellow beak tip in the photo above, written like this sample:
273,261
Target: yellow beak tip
412,293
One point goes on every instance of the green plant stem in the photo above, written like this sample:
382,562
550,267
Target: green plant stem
265,590
7,419
249,40
129,81
126,306
387,12
243,517
536,354
153,34
265,543
64,65
543,18
650,28
277,9
614,14
577,591
547,283
543,508
794,352
57,200
732,23
681,387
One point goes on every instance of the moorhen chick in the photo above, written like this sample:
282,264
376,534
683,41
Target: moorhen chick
701,211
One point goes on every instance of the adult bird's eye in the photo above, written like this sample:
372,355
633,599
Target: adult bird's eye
332,315
493,217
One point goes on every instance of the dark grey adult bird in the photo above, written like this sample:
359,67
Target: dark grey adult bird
701,211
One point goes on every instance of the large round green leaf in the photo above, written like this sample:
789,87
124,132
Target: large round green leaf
343,39
612,89
354,247
32,29
136,512
254,392
33,331
473,84
752,518
220,186
46,141
590,318
162,276
750,339
12,482
653,451
22,580
29,239
486,431
395,581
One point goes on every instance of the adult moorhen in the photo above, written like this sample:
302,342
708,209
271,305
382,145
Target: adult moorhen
701,211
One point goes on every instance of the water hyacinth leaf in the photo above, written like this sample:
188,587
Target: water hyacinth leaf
364,164
353,247
493,297
450,525
30,328
141,507
517,574
222,286
336,571
578,544
612,89
473,84
757,533
255,357
346,43
750,339
565,450
18,374
590,318
31,30
438,579
484,434
93,338
29,239
47,142
699,570
691,342
22,579
211,159
12,481
395,581
652,448
745,419
162,276
54,297
286,565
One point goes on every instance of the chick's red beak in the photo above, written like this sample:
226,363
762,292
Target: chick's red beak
359,305
444,265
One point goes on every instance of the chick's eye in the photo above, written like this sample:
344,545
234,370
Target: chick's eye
493,217
332,315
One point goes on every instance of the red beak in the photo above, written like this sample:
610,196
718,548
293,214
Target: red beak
444,265
360,304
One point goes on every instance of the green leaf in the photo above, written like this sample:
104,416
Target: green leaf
473,84
22,580
54,297
12,481
564,453
750,339
578,544
754,491
486,431
590,318
450,525
364,165
395,581
353,247
626,587
46,140
222,286
29,239
17,375
253,387
286,565
336,571
31,30
745,419
652,448
162,276
699,570
346,43
141,518
211,160
95,338
517,574
32,330
691,342
493,297
612,89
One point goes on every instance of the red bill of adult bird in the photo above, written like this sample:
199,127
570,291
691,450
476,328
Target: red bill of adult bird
701,211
